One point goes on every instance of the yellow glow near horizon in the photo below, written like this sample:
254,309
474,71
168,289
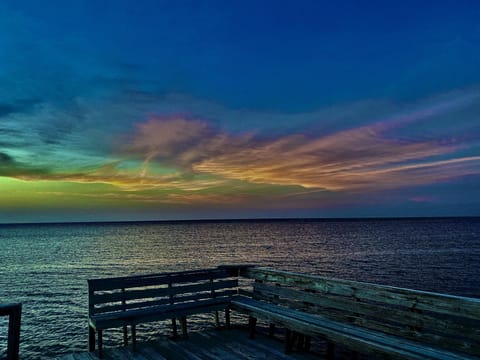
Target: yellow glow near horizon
202,192
47,194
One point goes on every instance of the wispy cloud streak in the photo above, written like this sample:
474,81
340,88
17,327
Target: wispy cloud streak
364,158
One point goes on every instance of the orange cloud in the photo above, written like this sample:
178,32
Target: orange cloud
358,159
353,159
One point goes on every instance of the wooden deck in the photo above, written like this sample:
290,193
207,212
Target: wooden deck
211,344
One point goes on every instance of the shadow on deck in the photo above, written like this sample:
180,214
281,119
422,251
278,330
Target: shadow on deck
207,344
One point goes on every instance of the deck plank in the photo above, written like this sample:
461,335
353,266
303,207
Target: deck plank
234,350
150,353
233,344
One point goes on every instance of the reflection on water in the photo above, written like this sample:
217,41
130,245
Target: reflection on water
46,266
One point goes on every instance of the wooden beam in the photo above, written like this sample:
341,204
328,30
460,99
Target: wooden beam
14,313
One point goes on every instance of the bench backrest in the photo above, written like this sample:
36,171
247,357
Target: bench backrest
449,322
110,295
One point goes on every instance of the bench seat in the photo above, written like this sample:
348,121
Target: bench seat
156,313
353,337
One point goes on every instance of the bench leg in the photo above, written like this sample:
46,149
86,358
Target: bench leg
217,319
300,342
252,323
125,336
271,330
288,341
100,344
330,350
227,318
183,322
134,337
91,338
308,343
293,340
174,328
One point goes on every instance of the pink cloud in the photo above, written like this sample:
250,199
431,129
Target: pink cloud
166,137
422,199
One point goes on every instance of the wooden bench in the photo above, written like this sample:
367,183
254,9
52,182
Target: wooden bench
388,322
128,301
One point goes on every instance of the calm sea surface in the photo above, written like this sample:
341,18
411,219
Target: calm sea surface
45,267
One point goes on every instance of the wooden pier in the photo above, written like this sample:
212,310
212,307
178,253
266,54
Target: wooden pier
213,344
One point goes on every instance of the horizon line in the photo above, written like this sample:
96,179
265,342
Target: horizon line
226,220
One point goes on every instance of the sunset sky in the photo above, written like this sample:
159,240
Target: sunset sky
158,110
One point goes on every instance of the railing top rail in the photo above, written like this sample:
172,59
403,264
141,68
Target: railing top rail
9,308
152,275
145,280
350,283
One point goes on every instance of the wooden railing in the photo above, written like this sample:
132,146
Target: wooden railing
386,321
434,320
14,312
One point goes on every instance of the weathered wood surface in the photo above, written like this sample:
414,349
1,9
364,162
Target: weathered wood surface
442,321
206,345
420,326
14,313
416,299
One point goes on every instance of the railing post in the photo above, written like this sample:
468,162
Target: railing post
174,321
125,328
14,312
213,295
91,310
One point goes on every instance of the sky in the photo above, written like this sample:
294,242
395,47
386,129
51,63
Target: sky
164,110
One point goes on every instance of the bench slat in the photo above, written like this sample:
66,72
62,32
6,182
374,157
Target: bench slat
156,279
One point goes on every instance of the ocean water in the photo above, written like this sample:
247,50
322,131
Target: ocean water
46,266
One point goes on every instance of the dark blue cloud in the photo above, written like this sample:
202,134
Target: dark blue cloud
17,106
